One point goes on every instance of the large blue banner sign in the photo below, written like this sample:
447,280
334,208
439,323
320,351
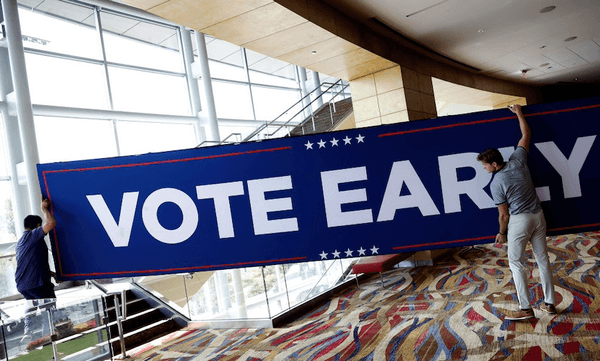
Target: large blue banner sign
380,190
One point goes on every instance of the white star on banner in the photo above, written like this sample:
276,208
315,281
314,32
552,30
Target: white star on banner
336,254
323,255
321,144
349,253
361,252
308,145
347,140
360,138
334,142
374,250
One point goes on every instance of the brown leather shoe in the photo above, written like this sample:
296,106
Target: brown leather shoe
548,308
521,315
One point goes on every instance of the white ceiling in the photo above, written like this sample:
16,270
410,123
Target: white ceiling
501,38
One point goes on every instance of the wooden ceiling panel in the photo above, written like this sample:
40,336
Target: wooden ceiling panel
457,94
324,50
198,14
290,40
255,24
352,65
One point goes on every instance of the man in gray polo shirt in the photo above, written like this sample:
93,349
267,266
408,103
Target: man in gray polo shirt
521,219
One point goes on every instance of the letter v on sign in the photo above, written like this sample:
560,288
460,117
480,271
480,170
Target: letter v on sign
119,233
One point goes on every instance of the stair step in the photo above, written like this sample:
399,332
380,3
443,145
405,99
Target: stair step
87,353
323,118
144,334
140,319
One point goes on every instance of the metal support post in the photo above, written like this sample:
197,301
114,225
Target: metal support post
209,110
247,70
23,102
120,325
192,83
266,294
53,335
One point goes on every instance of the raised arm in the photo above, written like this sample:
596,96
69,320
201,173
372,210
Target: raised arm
49,222
525,131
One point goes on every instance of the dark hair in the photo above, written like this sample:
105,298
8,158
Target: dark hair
32,222
490,156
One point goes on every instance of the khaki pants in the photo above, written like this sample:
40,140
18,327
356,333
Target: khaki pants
524,228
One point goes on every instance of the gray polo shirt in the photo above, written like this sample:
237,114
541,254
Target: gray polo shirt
513,185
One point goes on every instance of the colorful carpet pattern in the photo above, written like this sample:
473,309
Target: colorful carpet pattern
453,310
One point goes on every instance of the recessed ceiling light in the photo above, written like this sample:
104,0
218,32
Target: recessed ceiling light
571,38
545,64
547,9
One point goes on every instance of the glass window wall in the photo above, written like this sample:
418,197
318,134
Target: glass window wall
139,43
270,103
68,83
7,222
140,137
7,218
67,139
56,25
232,101
220,70
144,92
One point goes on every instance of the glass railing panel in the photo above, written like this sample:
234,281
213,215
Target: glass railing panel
171,289
239,294
75,323
306,280
277,291
231,294
82,334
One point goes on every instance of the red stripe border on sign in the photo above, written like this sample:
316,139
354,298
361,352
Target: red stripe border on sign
45,173
486,121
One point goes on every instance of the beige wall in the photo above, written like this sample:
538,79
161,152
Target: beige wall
391,96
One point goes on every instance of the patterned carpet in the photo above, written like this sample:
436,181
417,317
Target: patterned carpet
453,310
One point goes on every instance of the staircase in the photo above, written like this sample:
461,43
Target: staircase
325,118
146,320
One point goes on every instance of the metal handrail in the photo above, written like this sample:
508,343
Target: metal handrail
309,104
317,283
219,142
259,129
329,103
285,124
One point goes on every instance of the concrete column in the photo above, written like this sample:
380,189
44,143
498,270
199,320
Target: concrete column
23,103
302,81
192,82
222,290
391,96
240,298
316,84
208,113
13,146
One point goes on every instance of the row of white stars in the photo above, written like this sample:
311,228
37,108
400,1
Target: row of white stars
349,252
334,142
